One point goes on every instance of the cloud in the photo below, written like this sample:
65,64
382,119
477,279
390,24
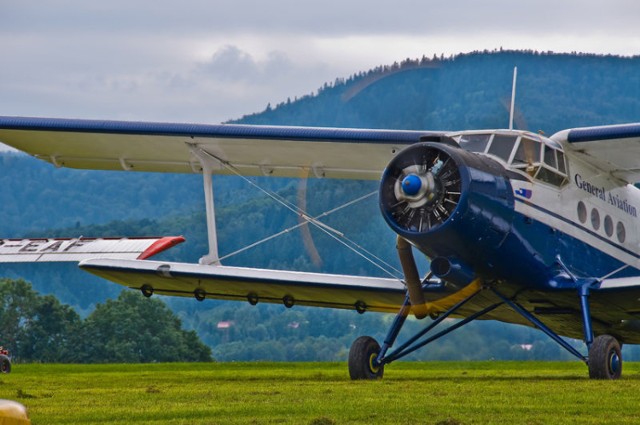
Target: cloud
212,61
231,63
334,18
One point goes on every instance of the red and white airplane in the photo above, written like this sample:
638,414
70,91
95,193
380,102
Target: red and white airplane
520,228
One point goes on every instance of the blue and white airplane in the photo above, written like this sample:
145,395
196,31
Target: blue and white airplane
518,227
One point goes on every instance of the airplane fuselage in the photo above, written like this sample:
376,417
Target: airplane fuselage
525,211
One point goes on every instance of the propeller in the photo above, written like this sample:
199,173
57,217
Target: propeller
307,238
423,189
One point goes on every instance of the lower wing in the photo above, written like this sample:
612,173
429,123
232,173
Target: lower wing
253,285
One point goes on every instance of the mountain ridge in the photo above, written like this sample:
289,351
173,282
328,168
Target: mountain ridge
555,91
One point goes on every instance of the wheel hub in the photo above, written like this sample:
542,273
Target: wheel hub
373,364
614,362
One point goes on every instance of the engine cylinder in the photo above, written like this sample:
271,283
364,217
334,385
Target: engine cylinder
448,202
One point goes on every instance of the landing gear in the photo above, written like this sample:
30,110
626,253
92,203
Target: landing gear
362,359
367,359
605,358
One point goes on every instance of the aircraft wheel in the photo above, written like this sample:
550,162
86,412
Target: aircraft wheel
362,355
5,364
605,358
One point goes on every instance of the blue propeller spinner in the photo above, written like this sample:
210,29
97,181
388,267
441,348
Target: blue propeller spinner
411,185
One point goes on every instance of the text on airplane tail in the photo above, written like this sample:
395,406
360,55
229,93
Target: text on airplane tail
78,249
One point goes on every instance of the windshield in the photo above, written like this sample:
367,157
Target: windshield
531,154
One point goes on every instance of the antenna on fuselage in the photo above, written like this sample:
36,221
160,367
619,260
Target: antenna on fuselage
513,97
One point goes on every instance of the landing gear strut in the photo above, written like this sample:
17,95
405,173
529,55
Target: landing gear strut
367,359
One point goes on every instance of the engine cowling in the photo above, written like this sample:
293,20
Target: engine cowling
448,202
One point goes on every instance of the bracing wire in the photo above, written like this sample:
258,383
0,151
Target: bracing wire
333,233
289,229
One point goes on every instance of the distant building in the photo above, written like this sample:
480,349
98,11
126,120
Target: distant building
225,324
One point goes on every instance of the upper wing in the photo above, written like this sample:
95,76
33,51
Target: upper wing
615,149
78,249
166,147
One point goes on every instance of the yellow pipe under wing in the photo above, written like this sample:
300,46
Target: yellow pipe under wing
444,304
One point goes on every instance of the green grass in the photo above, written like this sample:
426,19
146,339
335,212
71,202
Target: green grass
443,393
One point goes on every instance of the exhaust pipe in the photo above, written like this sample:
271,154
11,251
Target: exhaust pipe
452,271
411,278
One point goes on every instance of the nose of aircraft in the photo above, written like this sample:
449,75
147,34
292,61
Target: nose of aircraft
421,188
411,185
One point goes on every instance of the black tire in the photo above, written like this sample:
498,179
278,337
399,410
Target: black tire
364,351
5,364
605,358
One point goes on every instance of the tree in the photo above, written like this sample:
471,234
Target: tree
53,332
137,329
129,329
35,327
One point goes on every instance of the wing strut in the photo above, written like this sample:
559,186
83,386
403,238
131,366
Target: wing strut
208,164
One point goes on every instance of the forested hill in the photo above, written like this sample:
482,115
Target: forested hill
467,91
555,91
462,92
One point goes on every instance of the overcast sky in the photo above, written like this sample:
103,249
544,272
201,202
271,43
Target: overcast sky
210,60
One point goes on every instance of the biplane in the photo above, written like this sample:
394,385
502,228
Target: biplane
518,227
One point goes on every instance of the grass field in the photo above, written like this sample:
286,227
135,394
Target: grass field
443,393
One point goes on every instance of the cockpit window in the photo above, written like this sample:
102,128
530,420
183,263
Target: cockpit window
550,157
550,176
474,142
527,153
561,167
522,152
554,170
502,145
